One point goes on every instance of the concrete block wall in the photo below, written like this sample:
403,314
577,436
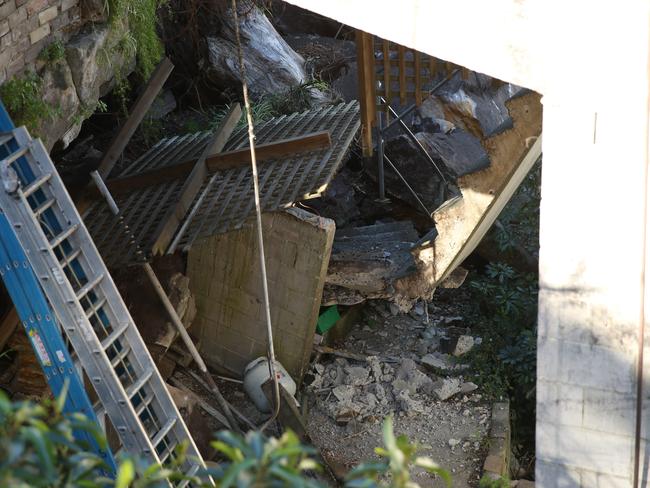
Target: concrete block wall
591,275
225,279
27,26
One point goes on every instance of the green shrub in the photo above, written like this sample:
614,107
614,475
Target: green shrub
141,16
37,447
23,98
256,461
52,52
500,482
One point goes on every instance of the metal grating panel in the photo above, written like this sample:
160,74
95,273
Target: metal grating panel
225,201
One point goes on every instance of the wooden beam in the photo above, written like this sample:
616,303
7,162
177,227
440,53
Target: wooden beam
173,219
367,89
387,69
140,109
283,148
214,162
402,74
418,79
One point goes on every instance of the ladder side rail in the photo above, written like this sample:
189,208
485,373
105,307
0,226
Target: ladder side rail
32,306
162,403
44,335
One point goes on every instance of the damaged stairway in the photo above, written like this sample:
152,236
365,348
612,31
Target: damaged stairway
75,317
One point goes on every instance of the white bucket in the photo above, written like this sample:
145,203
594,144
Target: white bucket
256,374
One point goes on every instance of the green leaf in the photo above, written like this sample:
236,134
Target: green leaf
125,474
432,467
389,436
44,451
233,471
309,464
232,453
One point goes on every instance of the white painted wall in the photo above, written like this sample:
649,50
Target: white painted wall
590,60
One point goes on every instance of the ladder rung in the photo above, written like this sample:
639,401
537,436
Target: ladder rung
143,404
69,258
163,456
120,356
135,387
36,184
63,235
113,336
163,431
5,137
16,154
42,208
193,470
89,286
99,409
95,306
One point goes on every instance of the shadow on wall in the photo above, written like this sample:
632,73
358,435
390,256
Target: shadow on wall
586,395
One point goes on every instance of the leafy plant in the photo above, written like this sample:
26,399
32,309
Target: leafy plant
38,449
487,482
88,109
400,457
141,18
23,98
52,52
257,462
506,298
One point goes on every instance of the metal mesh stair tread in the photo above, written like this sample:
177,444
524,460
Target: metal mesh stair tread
227,195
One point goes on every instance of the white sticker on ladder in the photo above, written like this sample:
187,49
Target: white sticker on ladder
58,277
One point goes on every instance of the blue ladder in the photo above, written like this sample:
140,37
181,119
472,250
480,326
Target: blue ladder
40,324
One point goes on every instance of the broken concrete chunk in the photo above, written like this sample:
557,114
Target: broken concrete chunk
446,388
357,376
344,393
440,361
468,387
464,345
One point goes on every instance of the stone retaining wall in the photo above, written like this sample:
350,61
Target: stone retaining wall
27,26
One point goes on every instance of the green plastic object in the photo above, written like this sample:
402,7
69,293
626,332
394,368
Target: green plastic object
328,319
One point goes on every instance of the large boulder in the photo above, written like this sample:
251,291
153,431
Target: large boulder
271,65
96,61
59,91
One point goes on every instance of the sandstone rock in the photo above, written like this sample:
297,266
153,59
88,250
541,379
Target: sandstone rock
94,58
59,91
464,345
271,65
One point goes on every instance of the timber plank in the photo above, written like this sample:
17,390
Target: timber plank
142,104
192,185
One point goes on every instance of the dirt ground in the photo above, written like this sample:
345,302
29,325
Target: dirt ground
452,432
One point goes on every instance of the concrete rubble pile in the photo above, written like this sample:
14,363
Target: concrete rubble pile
348,390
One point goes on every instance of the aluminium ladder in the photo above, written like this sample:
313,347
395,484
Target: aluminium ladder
94,319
